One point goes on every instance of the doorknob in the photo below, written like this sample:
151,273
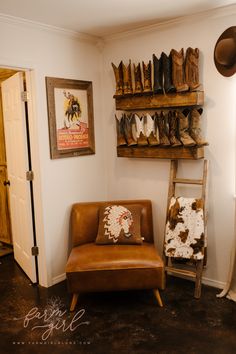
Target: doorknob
6,183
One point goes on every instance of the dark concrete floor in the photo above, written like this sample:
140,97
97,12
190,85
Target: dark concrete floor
36,320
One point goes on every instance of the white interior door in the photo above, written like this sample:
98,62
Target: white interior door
17,165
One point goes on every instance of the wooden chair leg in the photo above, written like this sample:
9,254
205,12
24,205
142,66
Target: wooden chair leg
74,302
158,297
198,281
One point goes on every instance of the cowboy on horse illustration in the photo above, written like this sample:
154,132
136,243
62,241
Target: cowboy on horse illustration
73,110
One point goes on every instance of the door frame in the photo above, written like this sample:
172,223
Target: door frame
35,161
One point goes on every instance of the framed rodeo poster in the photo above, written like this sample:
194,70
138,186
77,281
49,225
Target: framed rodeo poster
70,117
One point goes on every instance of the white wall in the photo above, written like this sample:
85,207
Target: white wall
103,175
68,180
148,178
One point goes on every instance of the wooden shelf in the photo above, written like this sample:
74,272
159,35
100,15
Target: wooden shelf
160,101
153,101
191,153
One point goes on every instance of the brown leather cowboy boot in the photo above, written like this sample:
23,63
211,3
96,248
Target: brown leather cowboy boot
120,131
156,128
147,75
195,126
191,68
173,130
163,129
138,88
118,71
128,122
185,138
127,79
178,75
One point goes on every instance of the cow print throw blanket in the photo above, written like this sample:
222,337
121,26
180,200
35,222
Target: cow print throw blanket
184,233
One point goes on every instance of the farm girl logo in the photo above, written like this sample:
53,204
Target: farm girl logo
53,319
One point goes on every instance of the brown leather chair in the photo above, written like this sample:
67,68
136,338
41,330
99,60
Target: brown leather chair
93,268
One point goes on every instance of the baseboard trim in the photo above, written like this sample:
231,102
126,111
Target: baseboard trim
58,278
213,283
206,281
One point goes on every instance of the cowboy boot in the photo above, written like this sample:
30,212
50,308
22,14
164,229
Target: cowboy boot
178,76
195,129
167,72
138,79
141,137
192,69
147,76
128,130
127,79
133,127
163,129
158,77
185,138
156,128
150,130
173,131
119,78
120,131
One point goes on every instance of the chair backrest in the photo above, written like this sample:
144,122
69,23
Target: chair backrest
85,220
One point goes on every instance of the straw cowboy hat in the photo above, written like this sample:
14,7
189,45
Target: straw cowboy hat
225,52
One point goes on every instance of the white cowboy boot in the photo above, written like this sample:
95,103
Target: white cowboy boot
141,137
150,130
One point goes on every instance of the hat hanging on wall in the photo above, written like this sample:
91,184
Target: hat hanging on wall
225,52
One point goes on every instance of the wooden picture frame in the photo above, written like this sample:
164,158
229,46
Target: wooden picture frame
70,117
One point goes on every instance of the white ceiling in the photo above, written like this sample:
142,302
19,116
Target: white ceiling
105,17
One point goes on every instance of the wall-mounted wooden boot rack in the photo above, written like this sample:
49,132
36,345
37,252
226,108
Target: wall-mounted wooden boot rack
158,101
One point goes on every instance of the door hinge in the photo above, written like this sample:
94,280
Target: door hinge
24,96
35,251
29,175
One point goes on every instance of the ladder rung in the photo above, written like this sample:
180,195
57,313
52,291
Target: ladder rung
188,181
181,271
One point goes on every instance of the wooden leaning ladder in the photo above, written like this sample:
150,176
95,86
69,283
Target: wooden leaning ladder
169,266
